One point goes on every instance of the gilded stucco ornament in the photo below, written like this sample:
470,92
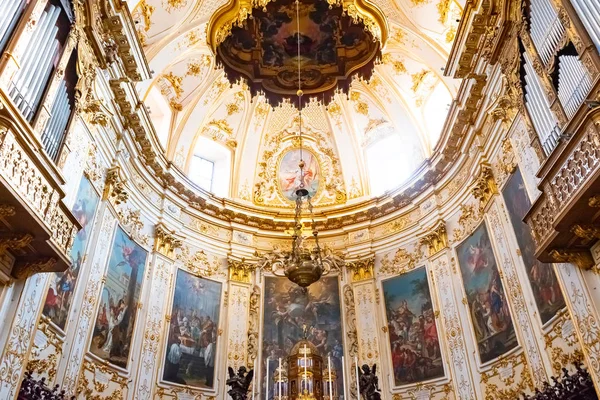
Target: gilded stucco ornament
165,240
361,270
582,258
436,238
240,271
485,186
114,186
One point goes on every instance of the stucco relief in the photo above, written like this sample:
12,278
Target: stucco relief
162,275
90,298
443,275
498,223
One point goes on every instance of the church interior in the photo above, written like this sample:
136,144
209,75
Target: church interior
299,199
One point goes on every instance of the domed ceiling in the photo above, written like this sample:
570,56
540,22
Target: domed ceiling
357,146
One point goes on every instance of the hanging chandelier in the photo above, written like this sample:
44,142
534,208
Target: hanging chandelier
304,266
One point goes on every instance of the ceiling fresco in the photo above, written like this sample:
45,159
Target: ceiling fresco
333,49
190,98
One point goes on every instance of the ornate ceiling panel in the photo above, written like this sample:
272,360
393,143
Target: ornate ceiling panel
400,98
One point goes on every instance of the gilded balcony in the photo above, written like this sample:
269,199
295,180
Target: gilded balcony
36,227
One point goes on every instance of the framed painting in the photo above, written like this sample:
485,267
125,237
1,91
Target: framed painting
545,287
115,320
62,285
191,348
290,176
488,306
288,308
413,334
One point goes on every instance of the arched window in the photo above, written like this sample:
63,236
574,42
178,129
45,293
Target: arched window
391,160
210,166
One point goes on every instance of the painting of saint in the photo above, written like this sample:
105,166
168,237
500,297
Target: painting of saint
414,341
62,285
287,309
490,315
546,291
115,320
290,177
192,338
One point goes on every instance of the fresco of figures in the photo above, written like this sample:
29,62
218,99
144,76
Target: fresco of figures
487,301
120,295
545,287
62,285
414,341
191,348
287,308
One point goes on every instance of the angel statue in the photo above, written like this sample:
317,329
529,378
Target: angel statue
369,383
239,383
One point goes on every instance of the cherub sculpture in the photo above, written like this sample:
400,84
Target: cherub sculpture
369,383
239,383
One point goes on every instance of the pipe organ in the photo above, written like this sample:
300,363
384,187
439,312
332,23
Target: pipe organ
60,114
546,29
10,11
589,13
539,110
29,83
574,83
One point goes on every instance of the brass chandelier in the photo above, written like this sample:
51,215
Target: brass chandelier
304,267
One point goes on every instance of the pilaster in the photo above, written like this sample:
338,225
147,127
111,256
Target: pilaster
365,306
163,275
537,360
21,334
79,334
460,362
584,315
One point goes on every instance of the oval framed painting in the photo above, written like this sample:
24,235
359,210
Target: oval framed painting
289,173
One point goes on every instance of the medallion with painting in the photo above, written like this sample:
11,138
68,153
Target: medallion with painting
62,285
414,341
545,287
287,309
120,296
488,306
192,338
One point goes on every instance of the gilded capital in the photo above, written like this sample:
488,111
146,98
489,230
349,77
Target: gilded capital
165,241
582,258
114,188
485,185
362,269
436,239
240,271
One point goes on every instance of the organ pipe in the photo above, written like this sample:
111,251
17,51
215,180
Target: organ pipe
30,81
574,83
546,28
589,14
539,110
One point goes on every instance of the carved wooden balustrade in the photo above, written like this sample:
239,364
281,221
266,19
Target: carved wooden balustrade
565,220
36,228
